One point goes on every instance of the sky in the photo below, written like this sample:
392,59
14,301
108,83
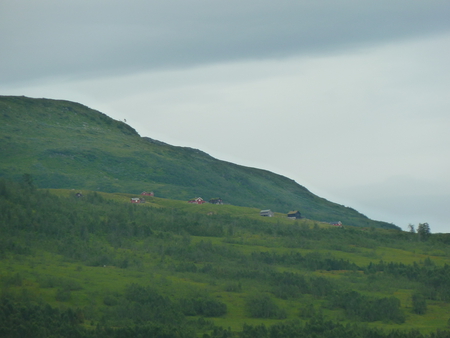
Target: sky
350,98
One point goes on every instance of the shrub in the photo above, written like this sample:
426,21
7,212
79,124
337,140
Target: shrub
203,306
419,304
63,295
262,306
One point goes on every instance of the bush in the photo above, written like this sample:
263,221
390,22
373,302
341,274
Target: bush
419,304
203,306
110,300
361,307
262,306
147,304
63,295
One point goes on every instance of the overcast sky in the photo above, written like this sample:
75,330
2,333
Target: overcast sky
348,98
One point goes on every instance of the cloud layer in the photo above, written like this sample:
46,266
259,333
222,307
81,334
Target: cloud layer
79,39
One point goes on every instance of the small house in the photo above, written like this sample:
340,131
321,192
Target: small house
216,201
137,200
146,193
197,200
337,224
294,214
266,213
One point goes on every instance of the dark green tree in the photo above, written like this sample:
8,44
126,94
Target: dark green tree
423,230
262,306
419,303
28,181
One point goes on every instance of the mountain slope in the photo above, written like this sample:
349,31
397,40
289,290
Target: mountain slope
64,144
99,266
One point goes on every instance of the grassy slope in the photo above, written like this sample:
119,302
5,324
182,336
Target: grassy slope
30,274
67,145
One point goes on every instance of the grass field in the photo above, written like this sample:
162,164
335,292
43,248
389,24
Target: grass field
85,253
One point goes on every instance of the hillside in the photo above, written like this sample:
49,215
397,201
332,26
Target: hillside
100,266
64,144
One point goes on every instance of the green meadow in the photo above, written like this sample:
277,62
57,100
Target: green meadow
98,265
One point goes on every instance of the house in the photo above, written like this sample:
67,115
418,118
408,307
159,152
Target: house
146,193
216,201
197,200
294,214
137,200
266,213
338,224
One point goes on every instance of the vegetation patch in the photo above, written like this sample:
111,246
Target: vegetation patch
97,265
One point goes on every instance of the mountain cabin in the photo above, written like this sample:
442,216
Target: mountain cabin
197,200
137,200
266,213
146,193
216,201
294,214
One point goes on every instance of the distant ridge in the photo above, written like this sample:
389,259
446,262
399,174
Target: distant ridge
64,144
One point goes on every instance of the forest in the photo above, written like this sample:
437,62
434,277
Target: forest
99,266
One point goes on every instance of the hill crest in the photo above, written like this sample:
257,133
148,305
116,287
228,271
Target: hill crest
64,144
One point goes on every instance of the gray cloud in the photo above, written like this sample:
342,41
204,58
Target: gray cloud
77,39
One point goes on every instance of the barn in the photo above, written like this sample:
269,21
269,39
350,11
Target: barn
294,214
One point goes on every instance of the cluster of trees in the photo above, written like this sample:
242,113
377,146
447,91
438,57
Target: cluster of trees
42,320
363,308
312,261
203,305
146,304
141,304
434,280
36,320
288,285
423,230
319,327
141,311
263,306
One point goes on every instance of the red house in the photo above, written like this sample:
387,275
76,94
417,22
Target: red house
146,193
197,200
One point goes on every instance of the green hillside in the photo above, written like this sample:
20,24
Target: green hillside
67,145
100,266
